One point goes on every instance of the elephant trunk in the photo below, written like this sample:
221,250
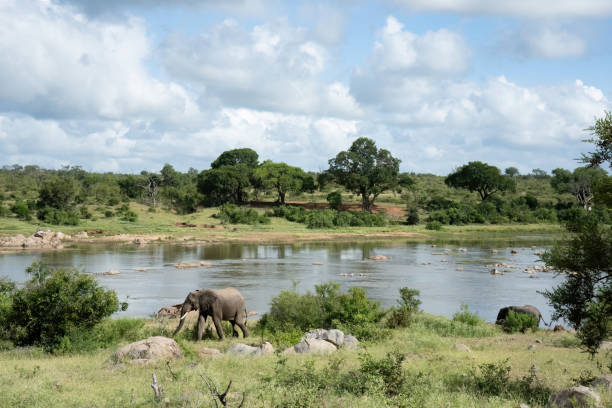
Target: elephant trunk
184,312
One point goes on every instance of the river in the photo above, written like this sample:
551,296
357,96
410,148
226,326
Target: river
446,275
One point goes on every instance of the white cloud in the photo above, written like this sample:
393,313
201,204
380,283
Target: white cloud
272,67
57,63
550,43
519,8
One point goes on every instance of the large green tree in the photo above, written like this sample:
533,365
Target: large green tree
581,183
225,184
365,170
58,192
246,156
281,178
477,176
584,299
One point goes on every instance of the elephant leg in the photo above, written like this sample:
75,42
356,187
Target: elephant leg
201,324
243,327
218,327
234,331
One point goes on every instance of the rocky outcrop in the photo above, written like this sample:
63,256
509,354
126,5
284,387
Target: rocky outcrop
43,239
323,341
147,351
240,349
575,397
184,264
605,382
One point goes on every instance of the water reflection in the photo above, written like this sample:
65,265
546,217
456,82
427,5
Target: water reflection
445,276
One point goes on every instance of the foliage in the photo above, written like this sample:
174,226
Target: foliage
387,369
21,210
433,225
467,317
581,183
232,214
225,184
456,327
335,200
245,156
281,178
476,176
329,218
56,216
320,219
602,138
408,305
327,308
365,170
585,297
412,218
54,303
105,334
520,322
58,192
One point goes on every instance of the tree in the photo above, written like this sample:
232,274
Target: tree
581,183
58,192
169,176
246,156
602,132
280,177
585,258
539,173
150,187
225,184
476,176
511,172
365,170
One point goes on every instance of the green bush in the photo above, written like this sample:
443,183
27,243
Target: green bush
85,213
520,322
232,214
454,328
413,216
107,333
467,317
402,315
327,308
109,213
55,303
55,216
129,216
335,200
320,219
4,212
433,225
343,219
21,210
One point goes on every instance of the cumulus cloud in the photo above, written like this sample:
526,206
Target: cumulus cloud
518,8
544,41
272,67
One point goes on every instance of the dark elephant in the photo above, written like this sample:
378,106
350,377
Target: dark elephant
223,304
528,309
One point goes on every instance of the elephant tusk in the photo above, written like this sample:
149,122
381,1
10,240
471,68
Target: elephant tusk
184,316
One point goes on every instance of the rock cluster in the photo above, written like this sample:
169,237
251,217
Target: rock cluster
184,264
240,349
40,239
323,341
147,351
574,397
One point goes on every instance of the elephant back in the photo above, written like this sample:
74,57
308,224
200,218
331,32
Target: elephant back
232,303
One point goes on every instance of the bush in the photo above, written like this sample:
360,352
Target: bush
105,334
467,317
402,315
55,216
433,225
85,214
520,322
109,213
335,200
129,216
232,214
320,219
413,216
4,212
327,308
21,210
55,303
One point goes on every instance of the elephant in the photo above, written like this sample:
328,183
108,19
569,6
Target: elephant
222,304
528,309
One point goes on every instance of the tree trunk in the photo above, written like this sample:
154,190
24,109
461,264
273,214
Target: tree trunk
281,197
366,204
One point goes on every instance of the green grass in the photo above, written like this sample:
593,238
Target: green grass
433,374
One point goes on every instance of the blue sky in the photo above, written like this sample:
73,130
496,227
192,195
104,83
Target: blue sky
127,85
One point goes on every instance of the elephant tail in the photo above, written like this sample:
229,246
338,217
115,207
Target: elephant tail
544,321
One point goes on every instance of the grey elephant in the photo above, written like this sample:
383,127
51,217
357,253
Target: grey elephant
222,304
527,309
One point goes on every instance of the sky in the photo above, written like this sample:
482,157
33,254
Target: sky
128,85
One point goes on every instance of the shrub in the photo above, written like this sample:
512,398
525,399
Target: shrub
105,334
320,219
85,214
335,200
129,216
343,219
55,216
402,315
413,216
327,308
4,212
21,210
55,303
520,322
232,214
388,370
433,225
454,328
467,317
109,213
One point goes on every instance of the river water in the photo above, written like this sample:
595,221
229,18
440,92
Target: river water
445,275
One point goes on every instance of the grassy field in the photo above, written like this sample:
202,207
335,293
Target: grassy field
432,374
166,226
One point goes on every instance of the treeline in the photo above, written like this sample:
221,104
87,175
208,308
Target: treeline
474,193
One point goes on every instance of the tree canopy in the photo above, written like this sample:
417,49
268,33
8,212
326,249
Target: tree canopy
602,138
281,177
581,183
246,156
477,176
365,170
225,184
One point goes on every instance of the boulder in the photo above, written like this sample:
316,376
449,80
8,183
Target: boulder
606,345
462,347
309,346
140,241
206,352
575,397
81,235
334,336
111,272
240,349
559,328
379,258
148,350
169,311
184,264
605,382
350,342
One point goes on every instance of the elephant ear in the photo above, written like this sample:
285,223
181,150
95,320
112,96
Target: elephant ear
193,298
